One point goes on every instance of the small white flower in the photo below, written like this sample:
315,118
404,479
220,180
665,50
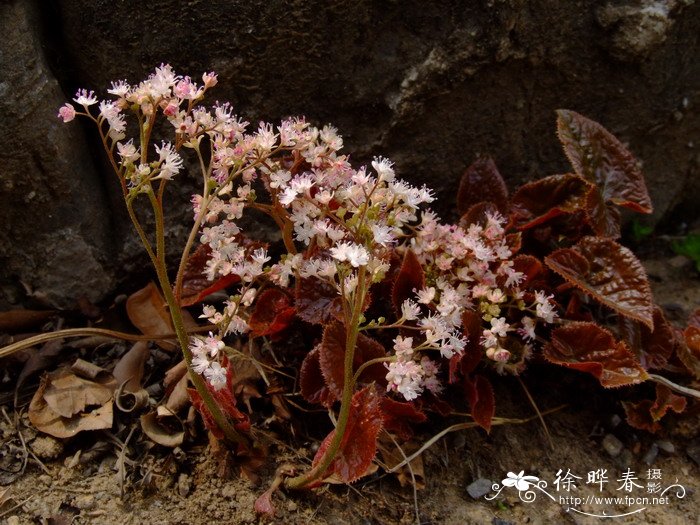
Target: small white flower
216,374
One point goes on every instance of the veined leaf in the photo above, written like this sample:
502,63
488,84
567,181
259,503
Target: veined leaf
608,272
600,158
589,348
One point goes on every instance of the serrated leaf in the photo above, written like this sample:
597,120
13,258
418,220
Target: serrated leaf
359,444
272,314
332,358
409,278
313,386
646,414
608,272
589,348
600,158
227,403
603,219
689,351
542,200
652,348
399,417
482,182
481,400
317,301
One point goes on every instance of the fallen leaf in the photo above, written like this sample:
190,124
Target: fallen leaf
66,404
148,312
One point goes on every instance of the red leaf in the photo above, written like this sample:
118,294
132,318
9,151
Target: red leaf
589,348
653,349
318,302
532,270
694,319
689,353
272,314
477,214
609,273
646,414
600,158
481,400
604,219
471,357
313,387
359,444
399,417
195,286
332,358
542,200
410,277
227,403
482,183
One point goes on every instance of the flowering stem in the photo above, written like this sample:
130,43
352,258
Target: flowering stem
352,328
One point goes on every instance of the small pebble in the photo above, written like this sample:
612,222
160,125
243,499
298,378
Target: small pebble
499,521
479,488
615,420
612,445
292,506
666,446
84,501
651,454
229,491
184,484
13,520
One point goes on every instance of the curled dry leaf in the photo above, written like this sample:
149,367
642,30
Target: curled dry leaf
66,404
689,350
129,369
163,427
608,272
392,456
647,414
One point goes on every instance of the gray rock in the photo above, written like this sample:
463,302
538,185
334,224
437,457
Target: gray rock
54,245
693,451
612,445
666,446
479,488
651,454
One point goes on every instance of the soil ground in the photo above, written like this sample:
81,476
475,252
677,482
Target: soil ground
161,487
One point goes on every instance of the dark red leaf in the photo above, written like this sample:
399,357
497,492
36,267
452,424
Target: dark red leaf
273,313
409,278
313,386
604,219
477,214
226,402
653,349
481,400
608,272
600,158
539,201
359,444
318,302
195,286
694,319
646,414
399,417
589,348
689,352
534,273
471,357
332,358
482,183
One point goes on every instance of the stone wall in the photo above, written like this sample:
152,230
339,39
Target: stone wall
429,84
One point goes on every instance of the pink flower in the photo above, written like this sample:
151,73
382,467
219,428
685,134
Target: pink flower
66,112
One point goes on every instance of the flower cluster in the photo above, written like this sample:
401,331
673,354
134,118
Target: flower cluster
340,225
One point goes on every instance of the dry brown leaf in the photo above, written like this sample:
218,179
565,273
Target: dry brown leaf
66,404
147,311
17,320
163,427
129,370
391,456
